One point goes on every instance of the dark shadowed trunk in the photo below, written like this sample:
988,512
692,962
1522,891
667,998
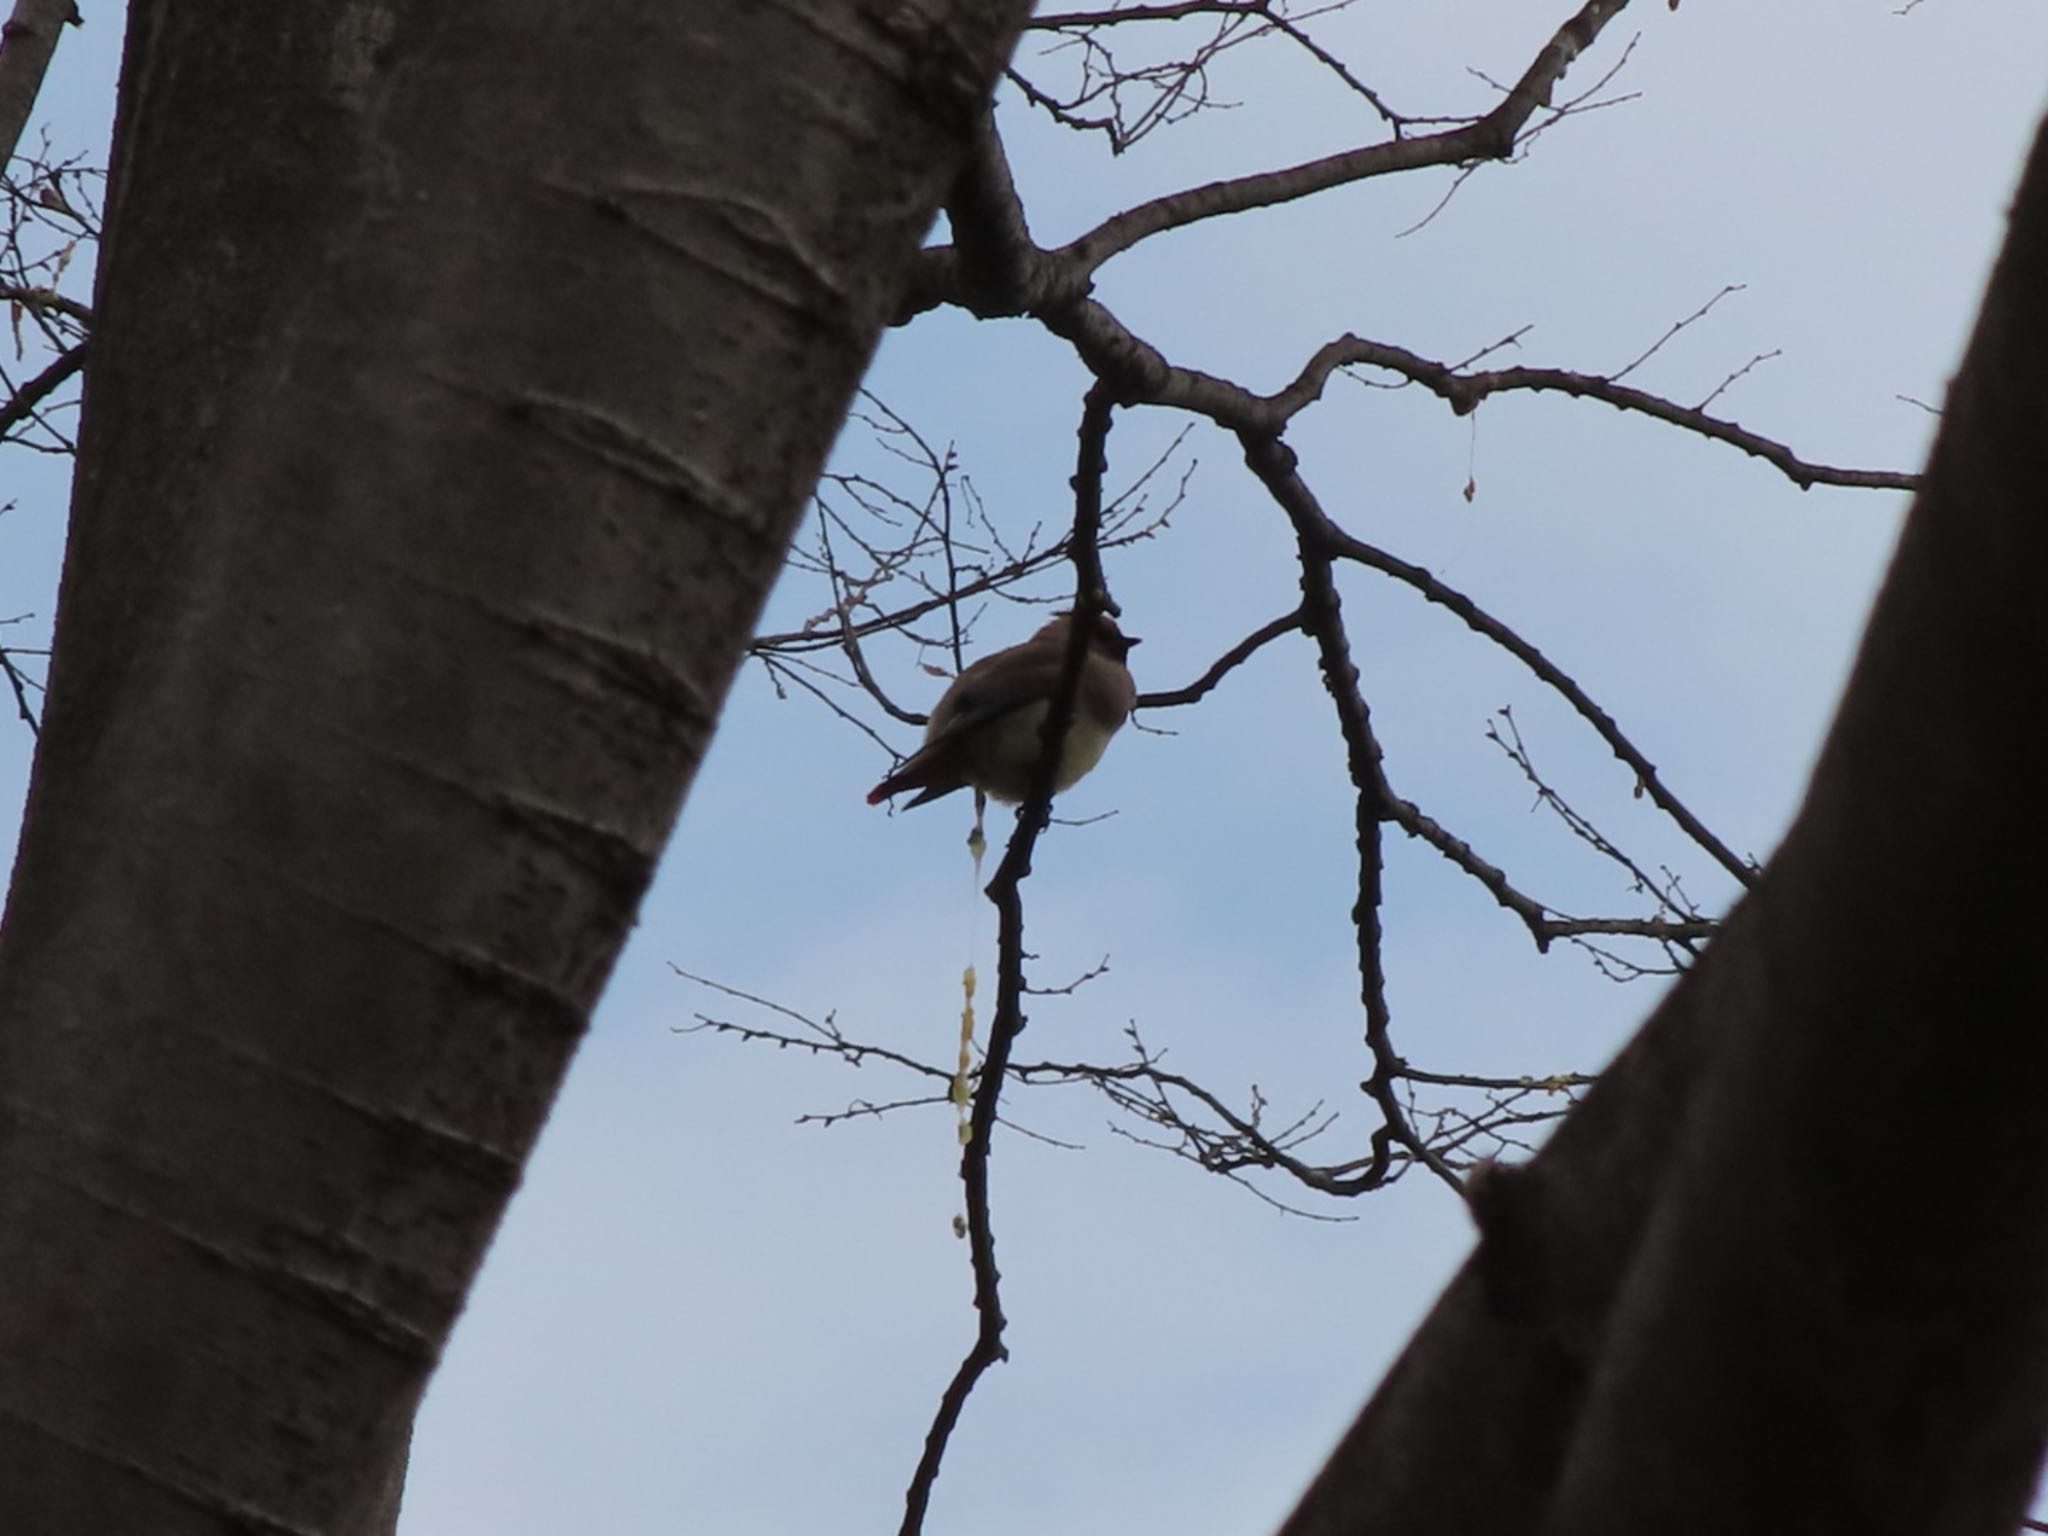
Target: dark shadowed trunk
458,376
1787,1268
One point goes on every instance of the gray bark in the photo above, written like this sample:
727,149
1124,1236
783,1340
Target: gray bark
1787,1268
458,376
28,41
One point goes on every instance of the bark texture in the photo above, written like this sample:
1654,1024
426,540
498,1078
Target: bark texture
1787,1268
28,41
459,373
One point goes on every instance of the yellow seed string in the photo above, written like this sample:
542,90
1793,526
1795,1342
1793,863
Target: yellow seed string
962,1094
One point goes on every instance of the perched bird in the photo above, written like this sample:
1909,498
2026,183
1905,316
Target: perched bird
984,730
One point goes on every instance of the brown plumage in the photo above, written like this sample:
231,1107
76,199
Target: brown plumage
984,730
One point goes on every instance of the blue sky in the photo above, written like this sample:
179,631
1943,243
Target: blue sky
702,1315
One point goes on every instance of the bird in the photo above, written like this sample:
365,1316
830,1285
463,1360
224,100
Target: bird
984,731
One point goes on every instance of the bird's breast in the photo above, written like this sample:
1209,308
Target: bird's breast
1005,751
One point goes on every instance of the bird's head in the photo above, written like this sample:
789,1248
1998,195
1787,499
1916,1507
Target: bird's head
1107,638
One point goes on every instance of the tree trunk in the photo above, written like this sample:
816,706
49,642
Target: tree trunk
458,376
27,42
1787,1268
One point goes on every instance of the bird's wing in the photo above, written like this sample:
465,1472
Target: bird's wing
980,694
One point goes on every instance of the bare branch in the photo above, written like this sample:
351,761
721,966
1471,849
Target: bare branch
1581,827
1113,351
1091,597
1322,616
30,396
1464,391
46,298
19,683
1491,137
1658,345
1544,926
1477,619
1721,388
786,668
1192,1121
1176,10
1223,665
